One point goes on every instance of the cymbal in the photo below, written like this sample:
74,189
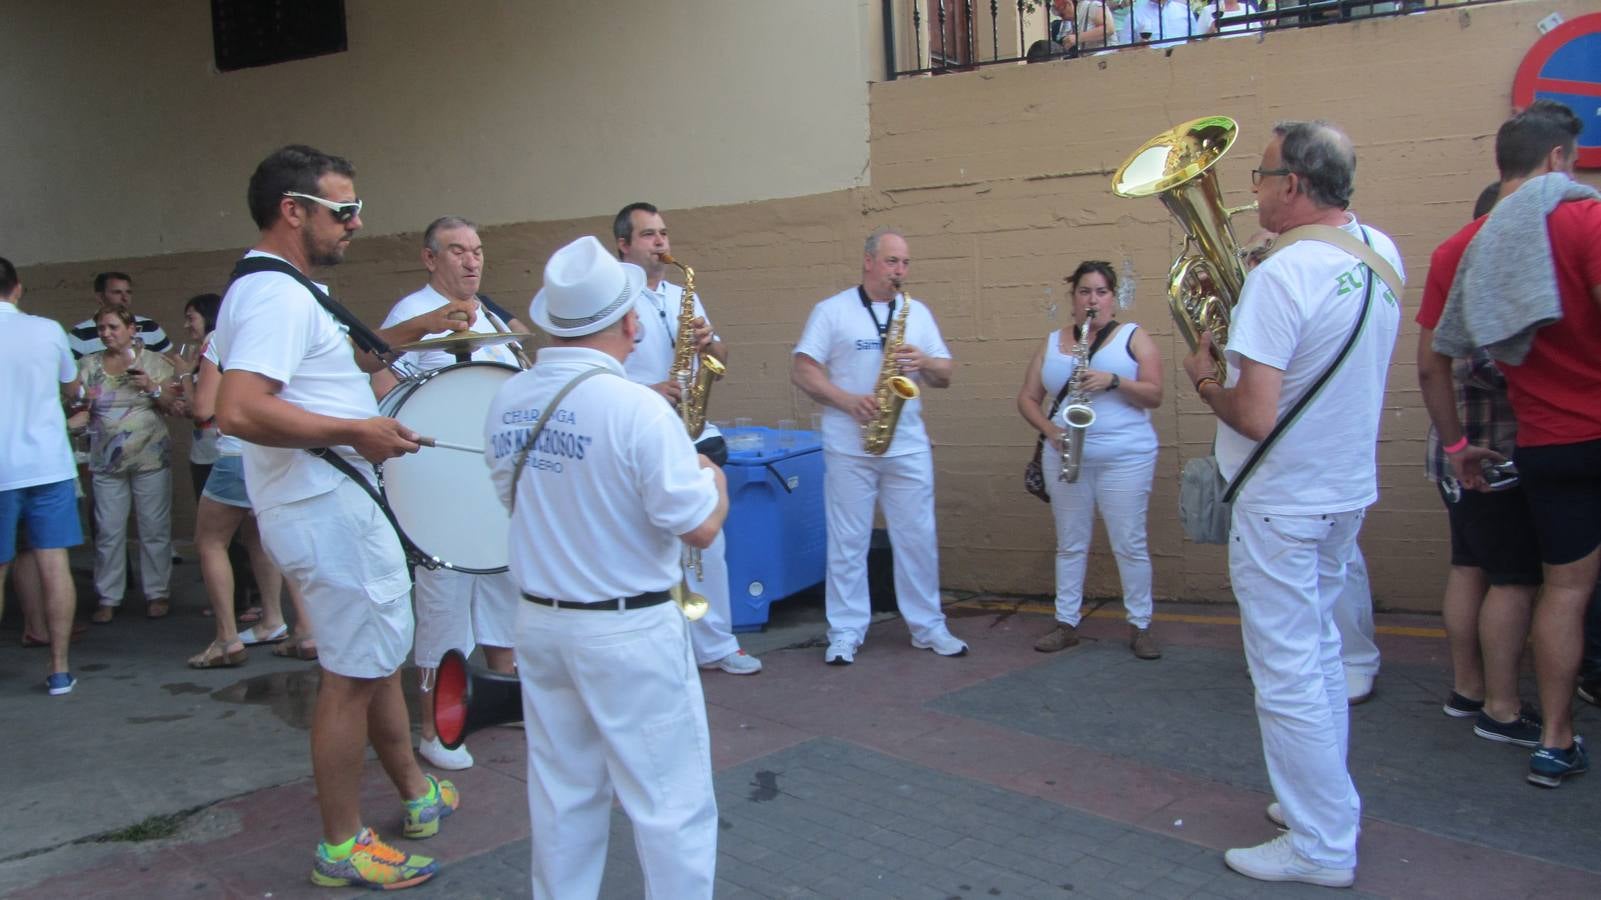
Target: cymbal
464,342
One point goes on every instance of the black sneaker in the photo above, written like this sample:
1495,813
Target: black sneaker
1523,731
1548,765
1460,707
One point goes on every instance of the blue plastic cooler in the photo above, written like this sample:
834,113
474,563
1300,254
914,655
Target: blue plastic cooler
776,535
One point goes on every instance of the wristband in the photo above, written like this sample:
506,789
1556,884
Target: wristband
1458,447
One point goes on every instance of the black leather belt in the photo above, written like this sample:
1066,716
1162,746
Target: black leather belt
638,601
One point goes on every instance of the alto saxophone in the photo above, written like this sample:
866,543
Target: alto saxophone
694,389
1077,415
693,371
892,389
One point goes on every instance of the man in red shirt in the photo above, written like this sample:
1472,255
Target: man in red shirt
1556,397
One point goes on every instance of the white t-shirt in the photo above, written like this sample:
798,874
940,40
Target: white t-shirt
271,325
419,302
1172,19
842,337
612,481
1295,313
226,444
652,358
35,361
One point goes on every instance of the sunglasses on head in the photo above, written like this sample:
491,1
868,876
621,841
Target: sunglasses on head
342,212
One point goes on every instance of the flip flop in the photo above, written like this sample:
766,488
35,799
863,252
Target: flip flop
250,637
216,656
251,615
102,614
297,649
157,609
78,631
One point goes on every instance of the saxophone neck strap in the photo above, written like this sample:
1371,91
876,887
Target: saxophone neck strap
1067,384
867,304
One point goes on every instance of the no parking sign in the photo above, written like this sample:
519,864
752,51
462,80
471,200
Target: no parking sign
1565,65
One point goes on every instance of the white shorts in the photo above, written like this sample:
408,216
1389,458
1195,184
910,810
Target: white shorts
456,610
342,553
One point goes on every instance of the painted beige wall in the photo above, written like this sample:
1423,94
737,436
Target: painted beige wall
121,140
1000,178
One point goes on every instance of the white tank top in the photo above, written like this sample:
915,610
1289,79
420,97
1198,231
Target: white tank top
1120,428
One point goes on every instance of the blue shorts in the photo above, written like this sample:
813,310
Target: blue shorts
50,512
226,483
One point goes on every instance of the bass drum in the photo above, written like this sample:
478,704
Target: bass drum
443,498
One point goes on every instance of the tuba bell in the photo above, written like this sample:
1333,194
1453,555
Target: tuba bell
1176,167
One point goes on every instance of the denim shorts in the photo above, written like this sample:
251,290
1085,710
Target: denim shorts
50,513
226,483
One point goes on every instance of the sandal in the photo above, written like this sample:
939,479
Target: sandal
304,648
253,635
157,609
250,616
216,656
102,614
29,640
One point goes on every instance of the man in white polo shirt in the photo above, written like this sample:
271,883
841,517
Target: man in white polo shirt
455,610
641,237
604,488
837,362
36,468
291,382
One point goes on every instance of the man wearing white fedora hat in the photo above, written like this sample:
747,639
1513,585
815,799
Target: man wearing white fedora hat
604,488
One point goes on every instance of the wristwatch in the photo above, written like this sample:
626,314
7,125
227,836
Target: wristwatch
1115,382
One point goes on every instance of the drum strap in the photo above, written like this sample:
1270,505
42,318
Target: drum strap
522,458
365,338
414,555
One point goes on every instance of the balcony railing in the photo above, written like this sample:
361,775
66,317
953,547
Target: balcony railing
931,37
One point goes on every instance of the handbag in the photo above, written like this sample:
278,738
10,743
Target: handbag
1206,498
1034,472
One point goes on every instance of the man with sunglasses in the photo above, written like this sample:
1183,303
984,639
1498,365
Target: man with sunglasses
292,381
1312,309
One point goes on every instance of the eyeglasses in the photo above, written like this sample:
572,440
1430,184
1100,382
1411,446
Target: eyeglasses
342,212
1258,174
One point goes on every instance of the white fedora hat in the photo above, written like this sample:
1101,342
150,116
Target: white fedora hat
586,289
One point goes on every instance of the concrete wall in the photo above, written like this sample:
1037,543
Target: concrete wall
1000,178
121,140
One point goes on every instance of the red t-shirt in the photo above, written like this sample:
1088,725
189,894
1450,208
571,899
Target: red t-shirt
1556,392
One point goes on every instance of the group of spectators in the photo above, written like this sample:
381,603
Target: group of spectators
1089,26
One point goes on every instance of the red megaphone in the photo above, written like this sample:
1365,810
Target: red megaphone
468,699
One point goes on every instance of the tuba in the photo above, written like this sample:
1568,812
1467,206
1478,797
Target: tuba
892,389
1176,166
1077,414
693,371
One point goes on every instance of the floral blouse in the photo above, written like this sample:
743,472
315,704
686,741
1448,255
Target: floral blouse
126,433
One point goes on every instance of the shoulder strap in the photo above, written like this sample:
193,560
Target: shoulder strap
414,555
501,313
365,338
1295,411
550,407
1362,250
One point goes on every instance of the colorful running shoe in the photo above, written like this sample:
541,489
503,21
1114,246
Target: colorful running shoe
374,865
424,813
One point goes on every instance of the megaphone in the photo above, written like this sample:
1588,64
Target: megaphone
468,699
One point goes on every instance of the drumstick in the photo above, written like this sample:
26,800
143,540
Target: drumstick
446,445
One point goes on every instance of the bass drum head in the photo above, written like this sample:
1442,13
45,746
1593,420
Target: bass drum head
442,498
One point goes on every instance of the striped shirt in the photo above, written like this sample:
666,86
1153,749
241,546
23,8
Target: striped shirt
85,337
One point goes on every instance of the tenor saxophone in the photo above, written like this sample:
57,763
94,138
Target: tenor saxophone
892,389
693,370
1077,414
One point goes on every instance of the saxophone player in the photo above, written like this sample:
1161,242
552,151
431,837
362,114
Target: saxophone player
1122,378
641,238
839,362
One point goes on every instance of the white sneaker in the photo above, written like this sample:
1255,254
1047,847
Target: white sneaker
1275,814
1276,860
440,758
942,642
840,652
737,663
1358,687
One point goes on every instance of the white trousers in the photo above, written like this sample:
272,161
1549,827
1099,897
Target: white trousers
1353,616
904,485
612,703
1288,572
150,496
1121,488
456,610
713,634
